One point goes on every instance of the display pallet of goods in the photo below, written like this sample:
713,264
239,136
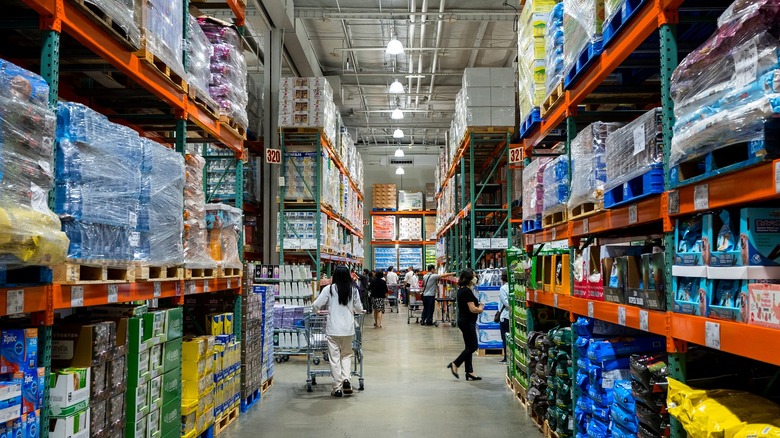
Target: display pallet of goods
321,202
648,220
126,222
403,233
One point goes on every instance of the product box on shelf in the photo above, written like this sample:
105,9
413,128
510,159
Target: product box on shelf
690,295
587,274
728,299
410,228
651,291
763,305
689,241
760,241
18,350
383,228
73,425
83,345
410,201
69,390
562,267
619,271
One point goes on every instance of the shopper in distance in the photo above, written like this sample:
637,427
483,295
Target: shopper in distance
468,309
409,279
430,286
503,313
378,289
342,300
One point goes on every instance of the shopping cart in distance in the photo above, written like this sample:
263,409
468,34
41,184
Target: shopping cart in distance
393,297
414,297
318,348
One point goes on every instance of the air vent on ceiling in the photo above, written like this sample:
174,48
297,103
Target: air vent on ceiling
401,161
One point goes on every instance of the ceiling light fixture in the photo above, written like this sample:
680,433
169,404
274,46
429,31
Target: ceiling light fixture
399,171
399,153
396,87
397,114
398,133
394,47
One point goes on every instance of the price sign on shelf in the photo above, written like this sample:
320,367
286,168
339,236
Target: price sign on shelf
536,296
701,197
591,311
273,156
178,289
515,155
229,284
712,335
77,296
205,286
674,202
554,234
622,315
633,215
644,323
14,302
157,289
585,226
189,287
555,300
113,293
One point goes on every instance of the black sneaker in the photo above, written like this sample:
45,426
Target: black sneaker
347,387
502,361
337,393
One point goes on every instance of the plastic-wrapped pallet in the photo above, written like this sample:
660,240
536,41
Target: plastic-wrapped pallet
199,53
228,69
308,103
166,202
162,32
224,224
196,249
582,21
726,89
122,14
30,232
588,164
632,149
531,53
98,184
555,181
553,40
533,189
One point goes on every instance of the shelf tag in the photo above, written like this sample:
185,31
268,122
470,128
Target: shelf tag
205,286
777,177
701,197
157,289
555,300
229,284
622,315
554,237
674,202
632,214
14,302
585,226
189,287
640,139
76,296
536,296
178,288
591,312
113,293
644,323
712,335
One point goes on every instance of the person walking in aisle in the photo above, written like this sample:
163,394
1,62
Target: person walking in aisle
342,300
468,309
392,284
503,295
409,280
378,289
430,285
365,293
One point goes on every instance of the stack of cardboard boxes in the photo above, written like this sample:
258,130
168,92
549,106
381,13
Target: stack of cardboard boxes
385,197
227,366
197,404
251,343
21,397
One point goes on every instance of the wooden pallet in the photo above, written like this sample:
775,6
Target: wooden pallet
152,60
551,101
78,273
585,209
95,14
144,272
266,385
205,102
548,432
554,219
228,418
199,273
490,352
228,272
228,123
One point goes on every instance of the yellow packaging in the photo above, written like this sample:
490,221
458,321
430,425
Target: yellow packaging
760,431
206,400
215,324
194,370
204,420
192,389
196,348
227,319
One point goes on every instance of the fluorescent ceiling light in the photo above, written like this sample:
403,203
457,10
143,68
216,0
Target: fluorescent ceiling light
396,87
397,114
394,47
399,171
398,133
399,153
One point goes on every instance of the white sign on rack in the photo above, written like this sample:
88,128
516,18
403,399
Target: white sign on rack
499,243
622,315
273,156
515,155
481,243
76,296
585,226
712,335
633,216
14,302
777,177
113,293
157,289
205,286
644,323
555,300
701,197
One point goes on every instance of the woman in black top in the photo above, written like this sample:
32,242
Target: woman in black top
378,289
468,309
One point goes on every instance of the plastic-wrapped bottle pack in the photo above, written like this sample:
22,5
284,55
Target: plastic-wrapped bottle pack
196,248
224,224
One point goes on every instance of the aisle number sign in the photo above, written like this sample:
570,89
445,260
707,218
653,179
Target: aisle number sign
515,155
273,156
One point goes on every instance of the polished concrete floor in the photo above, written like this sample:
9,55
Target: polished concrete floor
408,393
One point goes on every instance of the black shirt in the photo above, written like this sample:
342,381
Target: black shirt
466,296
378,288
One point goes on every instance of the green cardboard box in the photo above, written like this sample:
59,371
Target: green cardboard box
155,393
136,339
136,404
171,386
172,355
174,323
170,417
138,368
154,324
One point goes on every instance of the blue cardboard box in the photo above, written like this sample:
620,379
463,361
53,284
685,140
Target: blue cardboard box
18,350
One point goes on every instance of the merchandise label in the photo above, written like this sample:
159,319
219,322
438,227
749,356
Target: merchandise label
639,139
76,296
590,310
643,321
746,65
712,335
14,302
157,289
113,293
205,286
555,300
585,226
777,177
701,197
633,216
622,315
674,202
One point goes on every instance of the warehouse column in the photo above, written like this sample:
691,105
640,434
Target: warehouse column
272,76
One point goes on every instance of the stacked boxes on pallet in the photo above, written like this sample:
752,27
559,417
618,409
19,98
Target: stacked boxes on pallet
649,391
22,384
227,366
385,196
308,103
27,127
531,52
518,362
162,27
533,193
582,22
409,228
555,183
224,225
588,165
251,343
124,14
197,408
196,252
553,40
410,201
560,416
267,294
199,53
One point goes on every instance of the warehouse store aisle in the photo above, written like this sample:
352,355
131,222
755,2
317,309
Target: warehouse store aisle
409,393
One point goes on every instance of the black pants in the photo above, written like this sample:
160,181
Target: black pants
429,304
469,331
504,331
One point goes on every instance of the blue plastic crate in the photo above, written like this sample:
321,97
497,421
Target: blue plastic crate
649,183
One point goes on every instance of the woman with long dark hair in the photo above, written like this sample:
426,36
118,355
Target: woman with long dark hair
468,309
342,300
378,289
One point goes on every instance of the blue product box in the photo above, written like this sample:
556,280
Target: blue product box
690,295
689,241
10,402
41,387
31,424
720,232
18,350
28,381
760,241
727,299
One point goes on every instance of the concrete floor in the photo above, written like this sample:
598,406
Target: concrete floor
408,393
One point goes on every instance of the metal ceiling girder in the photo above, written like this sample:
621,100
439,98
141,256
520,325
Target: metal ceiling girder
401,14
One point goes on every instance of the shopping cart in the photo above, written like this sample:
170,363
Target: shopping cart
392,297
414,297
318,347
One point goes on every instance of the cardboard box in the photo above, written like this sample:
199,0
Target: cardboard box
69,390
690,295
31,423
689,242
174,323
562,274
171,355
652,294
10,401
197,348
28,382
156,360
383,228
170,417
155,391
764,305
73,425
617,273
18,350
760,242
137,428
83,345
171,386
727,299
139,408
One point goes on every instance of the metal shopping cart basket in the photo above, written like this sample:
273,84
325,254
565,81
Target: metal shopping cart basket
318,347
393,297
414,297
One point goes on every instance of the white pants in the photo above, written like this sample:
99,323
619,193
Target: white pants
340,357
